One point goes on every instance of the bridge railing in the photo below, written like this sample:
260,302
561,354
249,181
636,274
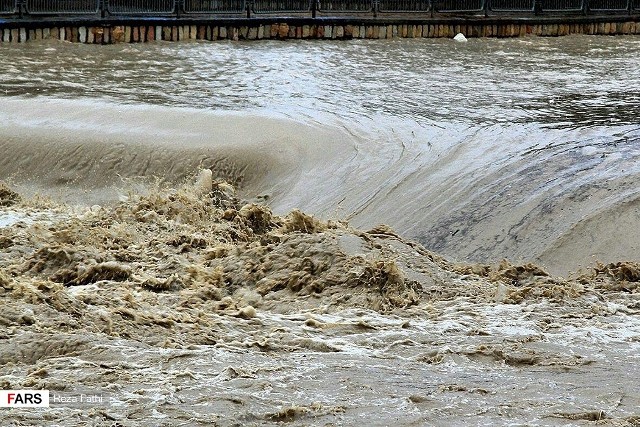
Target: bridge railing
459,6
404,6
8,6
174,8
608,6
563,5
283,6
66,7
346,6
512,5
214,6
140,7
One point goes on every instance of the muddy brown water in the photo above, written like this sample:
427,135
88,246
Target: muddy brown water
227,308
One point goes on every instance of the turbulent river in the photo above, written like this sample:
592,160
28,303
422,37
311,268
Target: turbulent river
230,306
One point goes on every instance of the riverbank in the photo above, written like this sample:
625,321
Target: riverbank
140,30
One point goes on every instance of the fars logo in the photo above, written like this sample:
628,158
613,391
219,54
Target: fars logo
24,398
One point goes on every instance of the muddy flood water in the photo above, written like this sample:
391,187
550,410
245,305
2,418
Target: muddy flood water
359,233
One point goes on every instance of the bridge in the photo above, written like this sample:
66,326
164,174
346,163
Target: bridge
312,8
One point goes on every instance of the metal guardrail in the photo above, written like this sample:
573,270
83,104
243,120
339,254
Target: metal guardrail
460,5
609,5
214,6
8,6
174,8
141,7
345,6
512,5
563,5
67,7
287,6
404,5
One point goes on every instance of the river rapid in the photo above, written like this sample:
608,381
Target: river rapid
342,264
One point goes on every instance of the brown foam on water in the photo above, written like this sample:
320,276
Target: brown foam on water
211,252
220,291
8,197
195,254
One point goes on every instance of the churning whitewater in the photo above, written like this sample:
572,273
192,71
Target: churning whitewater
401,232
